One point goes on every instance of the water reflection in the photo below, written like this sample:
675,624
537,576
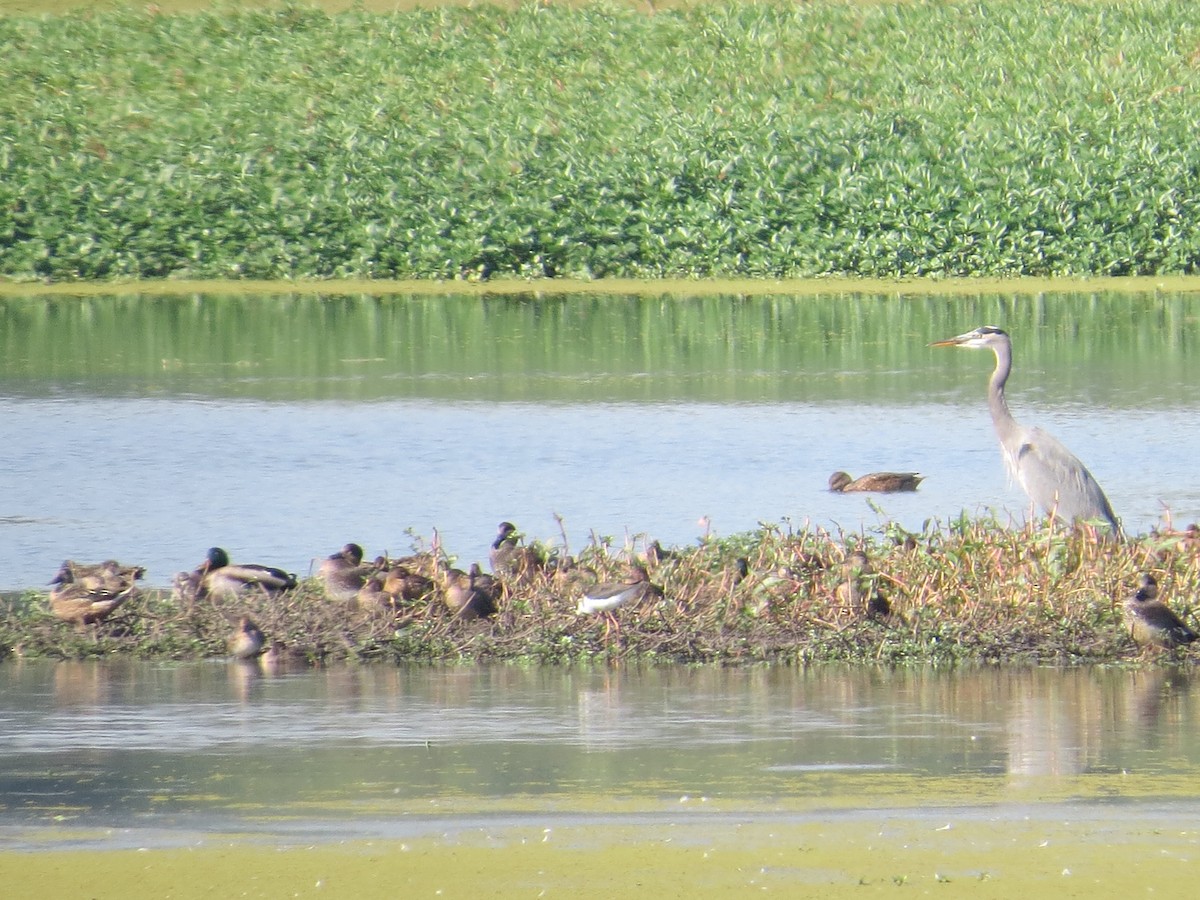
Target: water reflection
219,745
148,429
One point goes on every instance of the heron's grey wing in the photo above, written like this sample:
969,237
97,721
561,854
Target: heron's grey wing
1057,481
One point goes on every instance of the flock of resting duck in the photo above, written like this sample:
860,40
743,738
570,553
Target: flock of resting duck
88,593
1052,477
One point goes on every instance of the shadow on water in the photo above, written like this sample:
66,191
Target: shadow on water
1072,348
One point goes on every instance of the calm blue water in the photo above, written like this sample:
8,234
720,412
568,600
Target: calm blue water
156,482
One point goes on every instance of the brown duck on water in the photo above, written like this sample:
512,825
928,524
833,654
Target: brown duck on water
876,482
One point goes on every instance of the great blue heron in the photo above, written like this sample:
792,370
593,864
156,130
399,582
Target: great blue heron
1048,472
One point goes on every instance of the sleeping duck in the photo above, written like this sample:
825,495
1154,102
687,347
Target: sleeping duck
86,593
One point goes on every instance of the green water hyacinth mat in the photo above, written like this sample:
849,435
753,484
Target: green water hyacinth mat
723,140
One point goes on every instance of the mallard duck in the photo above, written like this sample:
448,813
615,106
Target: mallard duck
1151,622
876,482
504,547
248,641
217,577
858,589
393,587
428,563
372,597
87,593
273,658
470,594
94,574
343,574
490,587
404,584
508,556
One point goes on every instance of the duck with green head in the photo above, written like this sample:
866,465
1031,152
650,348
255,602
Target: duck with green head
218,577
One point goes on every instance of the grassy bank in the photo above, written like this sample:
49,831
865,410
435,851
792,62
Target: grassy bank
972,592
727,140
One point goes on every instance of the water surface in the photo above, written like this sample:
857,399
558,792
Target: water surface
135,754
148,428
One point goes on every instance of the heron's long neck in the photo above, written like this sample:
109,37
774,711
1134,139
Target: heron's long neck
1001,418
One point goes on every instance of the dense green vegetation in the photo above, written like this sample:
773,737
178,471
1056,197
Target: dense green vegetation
737,139
969,592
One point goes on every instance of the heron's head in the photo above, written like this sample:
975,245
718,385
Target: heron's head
986,336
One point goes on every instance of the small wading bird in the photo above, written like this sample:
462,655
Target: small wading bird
86,593
1048,472
876,482
1151,622
608,596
